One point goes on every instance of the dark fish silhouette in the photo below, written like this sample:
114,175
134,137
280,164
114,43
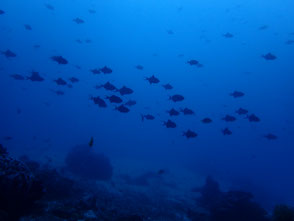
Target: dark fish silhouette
167,86
241,111
270,136
99,101
131,103
226,131
173,112
289,42
107,86
229,118
147,117
91,142
237,94
8,54
193,62
58,92
92,11
17,77
263,27
18,111
169,124
78,20
269,57
176,98
170,32
28,27
187,111
59,59
152,80
7,138
228,35
95,71
114,99
253,118
206,120
60,81
88,41
74,80
122,108
37,46
2,12
190,134
106,70
139,67
125,91
35,76
50,7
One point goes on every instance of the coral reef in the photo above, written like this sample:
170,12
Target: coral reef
19,187
283,213
82,161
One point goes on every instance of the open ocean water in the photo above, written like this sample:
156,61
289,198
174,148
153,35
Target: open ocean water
134,110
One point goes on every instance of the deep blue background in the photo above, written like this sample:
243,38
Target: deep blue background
126,33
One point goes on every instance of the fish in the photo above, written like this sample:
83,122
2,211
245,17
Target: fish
161,172
35,76
263,27
92,11
74,80
17,77
78,20
107,86
59,59
237,94
122,108
187,111
60,81
190,134
50,7
8,54
228,35
28,27
167,86
99,101
253,118
95,71
226,131
131,103
91,142
206,120
289,42
173,112
37,46
106,70
114,99
58,92
241,111
229,118
2,12
18,111
152,80
269,57
270,136
7,138
147,117
125,91
193,62
177,98
88,41
169,124
170,32
139,67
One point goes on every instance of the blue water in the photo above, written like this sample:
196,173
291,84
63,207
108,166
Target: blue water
162,36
